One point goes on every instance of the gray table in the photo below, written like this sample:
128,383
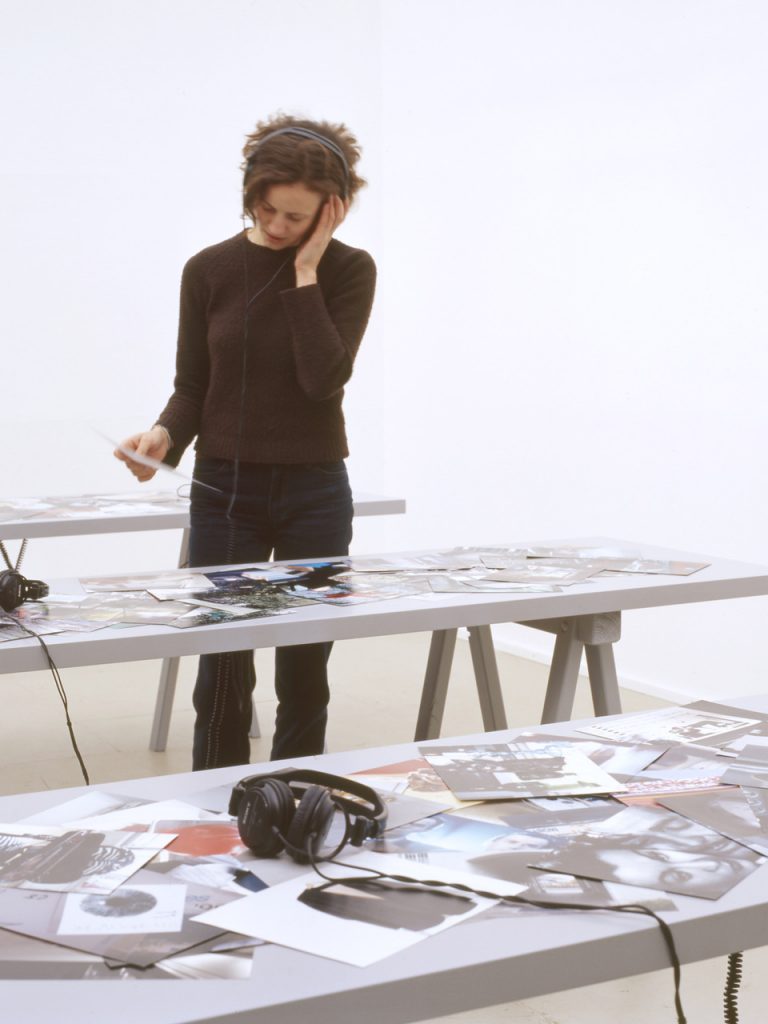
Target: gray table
480,963
138,512
585,618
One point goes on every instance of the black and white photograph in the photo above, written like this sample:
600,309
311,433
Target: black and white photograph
136,924
725,810
57,859
499,771
654,848
357,925
672,725
748,768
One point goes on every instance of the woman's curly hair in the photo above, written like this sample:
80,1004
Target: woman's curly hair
286,158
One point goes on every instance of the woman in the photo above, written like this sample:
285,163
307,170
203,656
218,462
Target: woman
269,327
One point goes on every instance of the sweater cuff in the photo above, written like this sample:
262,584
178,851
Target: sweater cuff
168,437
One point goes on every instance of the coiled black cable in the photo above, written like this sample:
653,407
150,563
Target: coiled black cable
732,983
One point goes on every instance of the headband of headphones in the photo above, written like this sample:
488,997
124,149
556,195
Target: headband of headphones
306,133
373,809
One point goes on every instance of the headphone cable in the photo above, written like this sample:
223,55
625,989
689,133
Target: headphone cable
628,908
243,387
63,696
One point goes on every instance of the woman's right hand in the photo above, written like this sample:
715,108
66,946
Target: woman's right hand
153,443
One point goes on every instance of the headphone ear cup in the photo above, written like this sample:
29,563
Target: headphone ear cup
9,590
310,825
265,816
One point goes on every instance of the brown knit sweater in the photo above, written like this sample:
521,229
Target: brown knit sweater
287,371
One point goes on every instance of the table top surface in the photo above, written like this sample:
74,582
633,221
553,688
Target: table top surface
721,579
480,963
125,513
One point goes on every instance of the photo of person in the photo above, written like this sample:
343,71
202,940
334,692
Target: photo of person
725,810
654,848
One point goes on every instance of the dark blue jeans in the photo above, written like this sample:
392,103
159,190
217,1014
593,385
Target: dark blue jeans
285,512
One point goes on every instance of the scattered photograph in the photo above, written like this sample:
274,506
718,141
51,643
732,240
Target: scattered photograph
671,725
725,810
41,915
651,567
358,924
11,629
595,553
687,761
446,832
657,849
501,771
415,778
538,572
618,759
202,616
75,860
129,910
176,580
640,790
451,583
749,768
442,561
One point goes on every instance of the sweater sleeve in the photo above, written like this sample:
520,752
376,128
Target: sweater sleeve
327,323
182,414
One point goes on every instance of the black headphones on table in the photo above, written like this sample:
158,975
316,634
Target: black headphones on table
15,589
293,810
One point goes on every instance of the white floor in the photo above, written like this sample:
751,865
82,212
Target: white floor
376,685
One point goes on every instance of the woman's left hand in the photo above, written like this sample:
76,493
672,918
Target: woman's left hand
332,213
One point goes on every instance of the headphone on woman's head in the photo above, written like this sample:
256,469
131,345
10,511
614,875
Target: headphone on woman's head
293,810
306,133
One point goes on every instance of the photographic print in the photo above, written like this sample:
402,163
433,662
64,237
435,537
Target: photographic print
358,924
443,561
618,759
452,583
654,848
688,762
725,810
651,567
74,860
501,771
414,778
129,910
176,580
40,915
749,768
671,725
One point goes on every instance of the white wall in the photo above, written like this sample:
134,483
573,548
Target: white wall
120,157
568,210
573,299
